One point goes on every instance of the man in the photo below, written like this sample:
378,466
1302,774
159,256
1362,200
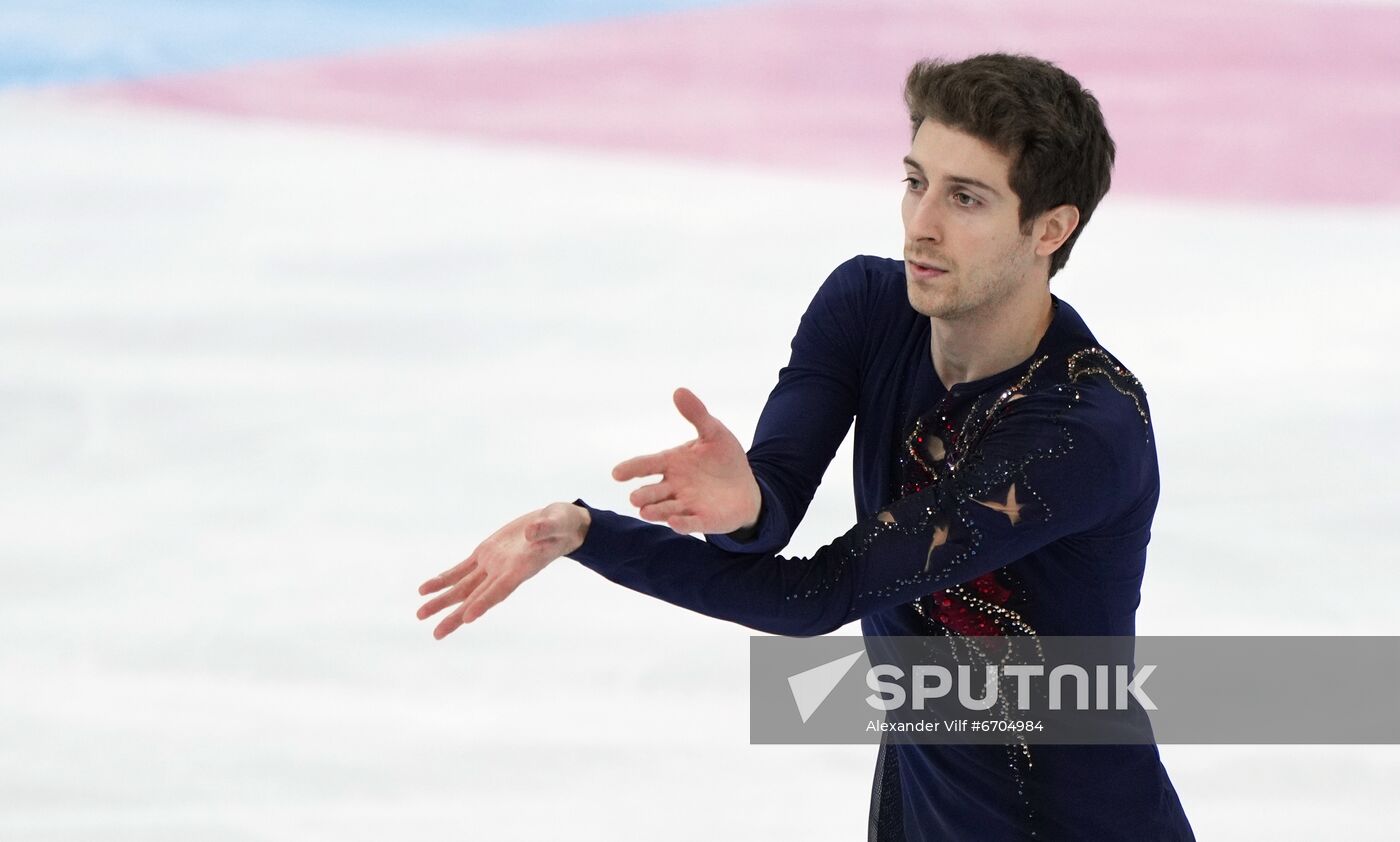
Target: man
1005,470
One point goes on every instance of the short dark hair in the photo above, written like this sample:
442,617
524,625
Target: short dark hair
1034,113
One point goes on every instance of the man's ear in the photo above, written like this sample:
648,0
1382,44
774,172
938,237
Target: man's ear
1054,227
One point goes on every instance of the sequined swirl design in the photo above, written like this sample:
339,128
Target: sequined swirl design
978,619
1092,361
940,455
933,451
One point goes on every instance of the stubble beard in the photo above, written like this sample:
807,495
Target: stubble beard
951,296
939,298
958,294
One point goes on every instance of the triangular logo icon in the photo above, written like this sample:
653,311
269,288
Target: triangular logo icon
810,688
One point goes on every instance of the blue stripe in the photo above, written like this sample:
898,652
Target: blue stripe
63,41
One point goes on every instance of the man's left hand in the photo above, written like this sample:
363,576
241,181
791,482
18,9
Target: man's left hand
512,554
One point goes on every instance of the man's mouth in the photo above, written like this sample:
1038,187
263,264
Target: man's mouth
924,270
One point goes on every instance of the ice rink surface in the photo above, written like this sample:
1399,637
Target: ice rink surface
265,370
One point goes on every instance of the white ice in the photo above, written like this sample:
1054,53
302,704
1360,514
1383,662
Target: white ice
259,381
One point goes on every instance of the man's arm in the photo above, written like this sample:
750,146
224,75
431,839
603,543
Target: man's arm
1057,463
1048,469
707,484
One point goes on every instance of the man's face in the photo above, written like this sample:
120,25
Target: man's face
960,216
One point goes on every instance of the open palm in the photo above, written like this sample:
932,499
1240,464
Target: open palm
706,484
499,565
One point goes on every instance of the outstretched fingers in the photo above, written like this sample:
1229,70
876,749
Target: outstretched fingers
456,593
649,495
460,594
449,624
640,466
493,592
664,510
512,554
451,577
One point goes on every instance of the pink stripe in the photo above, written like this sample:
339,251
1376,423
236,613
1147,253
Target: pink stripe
1223,99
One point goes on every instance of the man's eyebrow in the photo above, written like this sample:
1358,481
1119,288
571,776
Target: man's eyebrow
955,179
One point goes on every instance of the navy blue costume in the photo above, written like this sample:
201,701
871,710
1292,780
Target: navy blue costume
1016,504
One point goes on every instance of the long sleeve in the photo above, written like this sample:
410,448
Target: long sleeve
1057,462
808,412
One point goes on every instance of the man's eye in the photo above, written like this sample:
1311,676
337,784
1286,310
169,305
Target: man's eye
960,196
913,183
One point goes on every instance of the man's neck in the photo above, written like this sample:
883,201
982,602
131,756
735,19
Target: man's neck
992,339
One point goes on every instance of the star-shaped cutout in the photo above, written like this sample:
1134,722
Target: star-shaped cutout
1009,507
940,537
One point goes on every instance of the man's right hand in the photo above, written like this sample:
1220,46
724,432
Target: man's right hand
706,484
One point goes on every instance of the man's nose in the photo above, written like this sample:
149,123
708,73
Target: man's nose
926,222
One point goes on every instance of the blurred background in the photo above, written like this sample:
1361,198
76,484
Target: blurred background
300,300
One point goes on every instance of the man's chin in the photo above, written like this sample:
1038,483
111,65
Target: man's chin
934,310
928,302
